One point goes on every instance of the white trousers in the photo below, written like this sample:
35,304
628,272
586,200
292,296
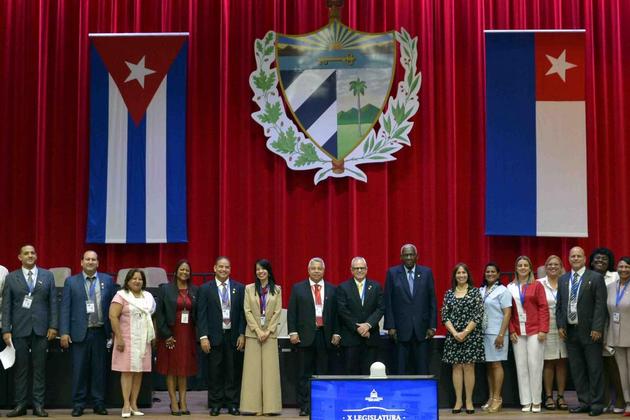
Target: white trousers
529,357
622,356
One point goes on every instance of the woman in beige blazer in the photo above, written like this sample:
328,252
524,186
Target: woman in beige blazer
260,389
619,325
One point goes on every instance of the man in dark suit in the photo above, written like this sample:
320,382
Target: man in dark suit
311,321
84,328
29,321
581,315
221,329
410,311
359,310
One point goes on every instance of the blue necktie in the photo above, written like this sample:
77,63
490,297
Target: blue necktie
573,296
410,280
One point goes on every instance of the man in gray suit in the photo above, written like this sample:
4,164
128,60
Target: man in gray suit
581,315
29,321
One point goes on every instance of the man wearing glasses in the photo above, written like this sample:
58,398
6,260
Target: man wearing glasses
359,309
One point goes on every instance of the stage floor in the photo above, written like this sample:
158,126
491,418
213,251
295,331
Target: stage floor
197,406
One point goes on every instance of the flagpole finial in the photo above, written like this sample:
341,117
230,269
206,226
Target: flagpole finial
334,6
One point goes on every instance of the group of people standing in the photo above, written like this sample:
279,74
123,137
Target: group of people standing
579,315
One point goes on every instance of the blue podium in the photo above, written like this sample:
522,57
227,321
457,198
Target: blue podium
364,398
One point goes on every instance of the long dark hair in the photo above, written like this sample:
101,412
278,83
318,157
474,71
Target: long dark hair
454,279
179,264
265,264
484,282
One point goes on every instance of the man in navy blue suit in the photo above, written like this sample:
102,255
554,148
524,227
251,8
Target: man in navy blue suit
84,329
29,321
410,311
221,329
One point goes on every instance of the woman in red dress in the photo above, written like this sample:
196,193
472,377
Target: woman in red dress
177,354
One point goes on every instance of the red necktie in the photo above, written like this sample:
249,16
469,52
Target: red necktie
319,321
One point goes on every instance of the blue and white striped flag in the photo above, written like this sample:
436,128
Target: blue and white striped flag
137,138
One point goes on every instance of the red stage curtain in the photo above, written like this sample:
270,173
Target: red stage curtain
243,202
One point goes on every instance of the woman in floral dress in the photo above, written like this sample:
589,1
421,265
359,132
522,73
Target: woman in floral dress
462,313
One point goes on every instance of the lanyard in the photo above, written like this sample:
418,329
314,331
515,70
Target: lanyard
263,300
522,291
488,292
91,292
621,292
362,291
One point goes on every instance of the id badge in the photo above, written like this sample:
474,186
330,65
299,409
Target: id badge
184,317
319,309
616,317
89,307
226,314
27,302
262,320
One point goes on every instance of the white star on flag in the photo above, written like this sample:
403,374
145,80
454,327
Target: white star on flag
138,72
559,65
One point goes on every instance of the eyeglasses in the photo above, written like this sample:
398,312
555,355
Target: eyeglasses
359,268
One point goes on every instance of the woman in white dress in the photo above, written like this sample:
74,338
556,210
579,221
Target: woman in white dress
497,310
555,348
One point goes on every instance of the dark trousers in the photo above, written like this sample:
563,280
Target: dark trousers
585,362
413,357
88,361
225,367
38,346
312,360
359,359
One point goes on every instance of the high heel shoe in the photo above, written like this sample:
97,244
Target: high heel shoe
496,406
487,405
125,415
136,413
456,410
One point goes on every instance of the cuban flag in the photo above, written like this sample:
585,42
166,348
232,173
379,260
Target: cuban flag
535,134
137,190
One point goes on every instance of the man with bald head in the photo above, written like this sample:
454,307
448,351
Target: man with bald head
84,329
581,315
410,311
359,310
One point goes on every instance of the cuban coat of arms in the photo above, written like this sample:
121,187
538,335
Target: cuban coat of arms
320,104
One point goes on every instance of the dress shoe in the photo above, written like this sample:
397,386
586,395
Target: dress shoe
77,412
100,410
125,415
303,412
40,412
215,411
185,413
176,413
595,412
17,411
234,411
580,409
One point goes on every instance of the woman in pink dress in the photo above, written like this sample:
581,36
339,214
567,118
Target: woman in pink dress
130,316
